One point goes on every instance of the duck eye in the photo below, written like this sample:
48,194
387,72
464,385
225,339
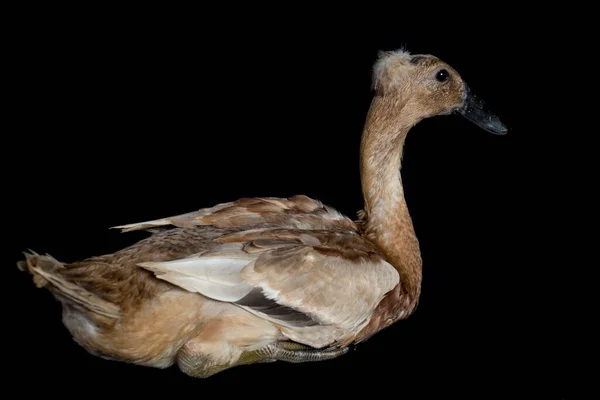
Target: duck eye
442,75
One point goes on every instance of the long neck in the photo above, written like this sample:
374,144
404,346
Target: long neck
388,223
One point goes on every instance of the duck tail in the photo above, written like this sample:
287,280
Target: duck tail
47,273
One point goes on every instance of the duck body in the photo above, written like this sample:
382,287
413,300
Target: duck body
269,279
136,305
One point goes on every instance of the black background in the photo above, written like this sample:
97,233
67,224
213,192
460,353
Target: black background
122,120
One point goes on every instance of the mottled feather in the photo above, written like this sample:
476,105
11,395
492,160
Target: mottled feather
299,211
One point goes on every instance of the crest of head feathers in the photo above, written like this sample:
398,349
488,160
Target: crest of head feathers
388,71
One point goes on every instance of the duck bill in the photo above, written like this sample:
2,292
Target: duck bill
475,110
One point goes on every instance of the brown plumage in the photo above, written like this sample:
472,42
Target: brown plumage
266,279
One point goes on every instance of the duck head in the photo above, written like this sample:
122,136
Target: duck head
425,87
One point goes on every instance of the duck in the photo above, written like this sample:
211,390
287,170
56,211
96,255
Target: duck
267,279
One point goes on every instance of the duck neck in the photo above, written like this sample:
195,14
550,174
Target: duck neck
387,221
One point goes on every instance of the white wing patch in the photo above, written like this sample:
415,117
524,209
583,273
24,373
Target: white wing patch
217,278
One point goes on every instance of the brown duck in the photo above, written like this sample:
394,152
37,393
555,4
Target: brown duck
267,279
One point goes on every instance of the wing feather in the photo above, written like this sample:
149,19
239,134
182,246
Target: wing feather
300,212
217,278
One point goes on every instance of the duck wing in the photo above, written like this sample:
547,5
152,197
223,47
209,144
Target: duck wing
318,286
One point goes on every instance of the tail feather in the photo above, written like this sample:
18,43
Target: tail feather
46,273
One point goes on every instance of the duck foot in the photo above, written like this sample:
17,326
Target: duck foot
298,353
197,361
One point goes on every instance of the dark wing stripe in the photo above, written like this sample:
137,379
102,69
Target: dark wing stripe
258,302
